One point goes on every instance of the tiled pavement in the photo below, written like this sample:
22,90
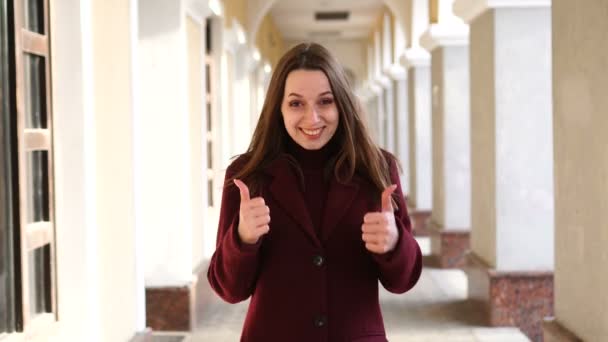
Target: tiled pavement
436,310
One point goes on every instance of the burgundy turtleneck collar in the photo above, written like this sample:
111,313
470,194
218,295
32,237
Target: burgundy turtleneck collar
311,159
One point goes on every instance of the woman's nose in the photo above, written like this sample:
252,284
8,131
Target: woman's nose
313,115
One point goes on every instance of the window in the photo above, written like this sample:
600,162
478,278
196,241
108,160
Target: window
27,268
209,98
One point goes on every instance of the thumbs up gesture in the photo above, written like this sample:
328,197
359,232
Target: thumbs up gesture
379,228
254,216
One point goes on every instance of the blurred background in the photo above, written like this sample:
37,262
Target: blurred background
119,117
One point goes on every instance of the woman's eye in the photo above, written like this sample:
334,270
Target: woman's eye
295,104
327,101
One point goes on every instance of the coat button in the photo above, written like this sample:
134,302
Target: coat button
318,260
320,321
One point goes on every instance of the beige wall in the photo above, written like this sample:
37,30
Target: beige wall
235,9
483,177
269,41
580,60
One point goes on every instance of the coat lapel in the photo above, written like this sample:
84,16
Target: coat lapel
284,189
339,200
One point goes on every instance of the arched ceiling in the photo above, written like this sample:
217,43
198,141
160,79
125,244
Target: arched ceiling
296,19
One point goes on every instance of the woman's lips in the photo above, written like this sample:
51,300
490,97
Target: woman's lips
312,133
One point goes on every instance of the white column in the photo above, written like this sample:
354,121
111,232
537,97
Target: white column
401,131
419,20
379,115
447,42
164,146
512,140
419,101
113,106
74,143
387,84
385,109
236,91
197,112
580,56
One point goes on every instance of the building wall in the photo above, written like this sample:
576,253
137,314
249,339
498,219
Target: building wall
483,178
580,61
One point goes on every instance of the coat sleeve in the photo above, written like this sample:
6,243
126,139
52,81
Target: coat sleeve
233,267
399,269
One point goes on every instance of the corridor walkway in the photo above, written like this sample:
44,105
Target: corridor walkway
436,310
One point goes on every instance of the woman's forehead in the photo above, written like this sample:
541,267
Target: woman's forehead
307,82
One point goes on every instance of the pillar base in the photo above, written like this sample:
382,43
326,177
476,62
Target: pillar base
519,299
449,247
555,332
144,336
176,308
420,221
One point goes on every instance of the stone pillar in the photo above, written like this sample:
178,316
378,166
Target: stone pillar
387,123
170,167
511,264
580,61
419,101
112,104
377,114
400,131
451,217
99,259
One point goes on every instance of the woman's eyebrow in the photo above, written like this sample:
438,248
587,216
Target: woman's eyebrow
323,93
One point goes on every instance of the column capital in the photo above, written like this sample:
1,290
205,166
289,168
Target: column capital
414,57
397,72
439,35
376,89
383,81
468,10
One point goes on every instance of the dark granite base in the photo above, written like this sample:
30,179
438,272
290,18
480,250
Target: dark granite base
449,246
420,221
520,299
168,308
175,308
555,332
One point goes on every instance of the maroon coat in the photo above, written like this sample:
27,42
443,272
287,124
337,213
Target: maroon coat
305,288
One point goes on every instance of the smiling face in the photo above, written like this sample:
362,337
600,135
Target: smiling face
309,110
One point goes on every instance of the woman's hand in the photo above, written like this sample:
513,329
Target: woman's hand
379,228
254,216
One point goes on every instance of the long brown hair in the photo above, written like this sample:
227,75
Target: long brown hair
270,136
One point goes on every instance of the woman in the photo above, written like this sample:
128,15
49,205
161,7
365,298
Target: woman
309,220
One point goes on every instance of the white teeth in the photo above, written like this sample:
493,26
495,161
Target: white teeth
311,132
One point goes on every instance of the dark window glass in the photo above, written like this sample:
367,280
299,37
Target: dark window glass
35,92
34,15
209,123
210,193
209,155
208,78
40,280
208,36
37,186
8,161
